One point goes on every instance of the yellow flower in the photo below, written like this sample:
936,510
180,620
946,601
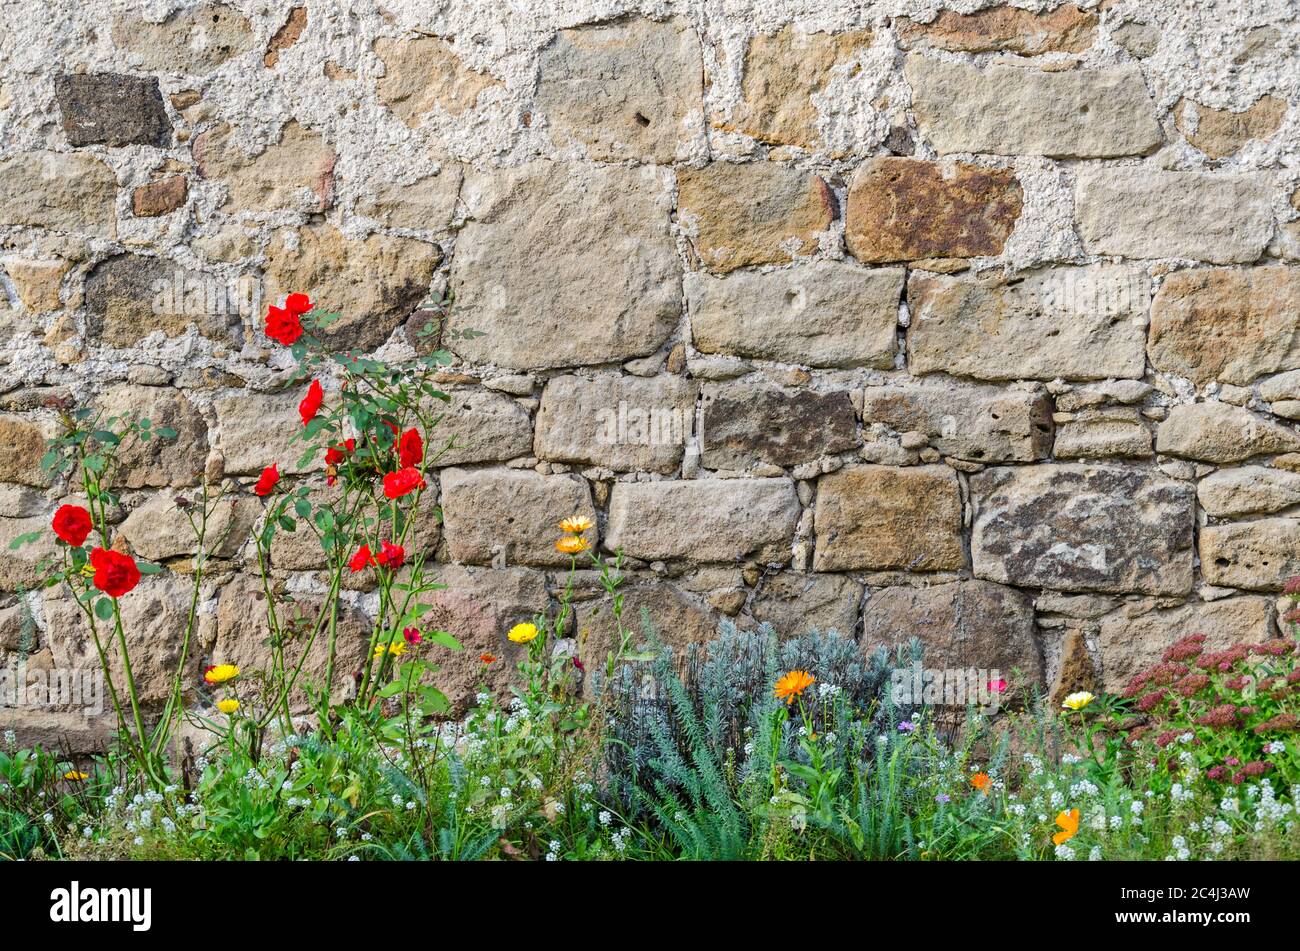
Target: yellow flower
572,544
577,524
522,633
1077,701
221,673
793,684
73,775
228,706
396,648
1069,823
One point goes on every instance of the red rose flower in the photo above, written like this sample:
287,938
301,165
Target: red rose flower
402,482
115,573
411,448
336,454
283,326
72,524
311,402
390,555
266,483
297,304
362,559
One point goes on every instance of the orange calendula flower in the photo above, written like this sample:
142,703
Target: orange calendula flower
572,545
228,706
220,673
982,781
523,633
577,524
793,684
75,776
1069,823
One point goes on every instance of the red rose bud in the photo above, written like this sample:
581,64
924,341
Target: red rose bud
266,482
311,402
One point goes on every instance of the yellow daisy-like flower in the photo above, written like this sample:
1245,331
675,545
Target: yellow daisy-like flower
221,673
75,776
523,633
1077,701
577,524
397,649
793,684
572,544
228,706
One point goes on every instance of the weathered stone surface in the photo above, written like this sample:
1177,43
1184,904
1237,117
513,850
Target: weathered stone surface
1226,324
1259,555
286,36
1075,670
1083,528
111,109
1065,29
749,423
255,430
22,444
753,213
374,282
631,89
1100,433
1248,490
130,296
879,517
962,624
1008,110
623,423
1284,386
159,528
783,71
154,616
195,40
1217,432
823,314
478,425
295,172
704,520
608,288
902,209
510,516
1220,132
159,198
1132,641
477,607
1136,212
677,618
796,604
242,634
1085,323
427,204
424,74
59,191
158,462
979,423
37,282
18,566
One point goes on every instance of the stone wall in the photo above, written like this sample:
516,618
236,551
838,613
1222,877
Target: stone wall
975,323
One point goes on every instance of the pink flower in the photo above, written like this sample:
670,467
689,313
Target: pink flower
412,635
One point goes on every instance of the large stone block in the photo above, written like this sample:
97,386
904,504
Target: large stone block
979,423
1132,640
478,425
902,209
160,529
1219,432
60,192
158,462
22,568
112,109
630,89
510,516
608,287
424,74
795,603
703,520
195,40
880,517
255,430
678,619
1085,323
753,213
1083,528
745,424
1248,490
129,296
623,423
1008,110
962,624
823,314
1135,212
1259,555
22,445
295,172
1227,324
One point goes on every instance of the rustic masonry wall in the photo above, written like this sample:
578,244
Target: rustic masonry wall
967,321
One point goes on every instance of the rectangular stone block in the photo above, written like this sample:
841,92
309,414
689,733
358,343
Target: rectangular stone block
1259,555
510,516
746,423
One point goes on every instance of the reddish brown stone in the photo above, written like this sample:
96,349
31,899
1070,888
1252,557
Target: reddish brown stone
902,209
286,36
1066,29
159,198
